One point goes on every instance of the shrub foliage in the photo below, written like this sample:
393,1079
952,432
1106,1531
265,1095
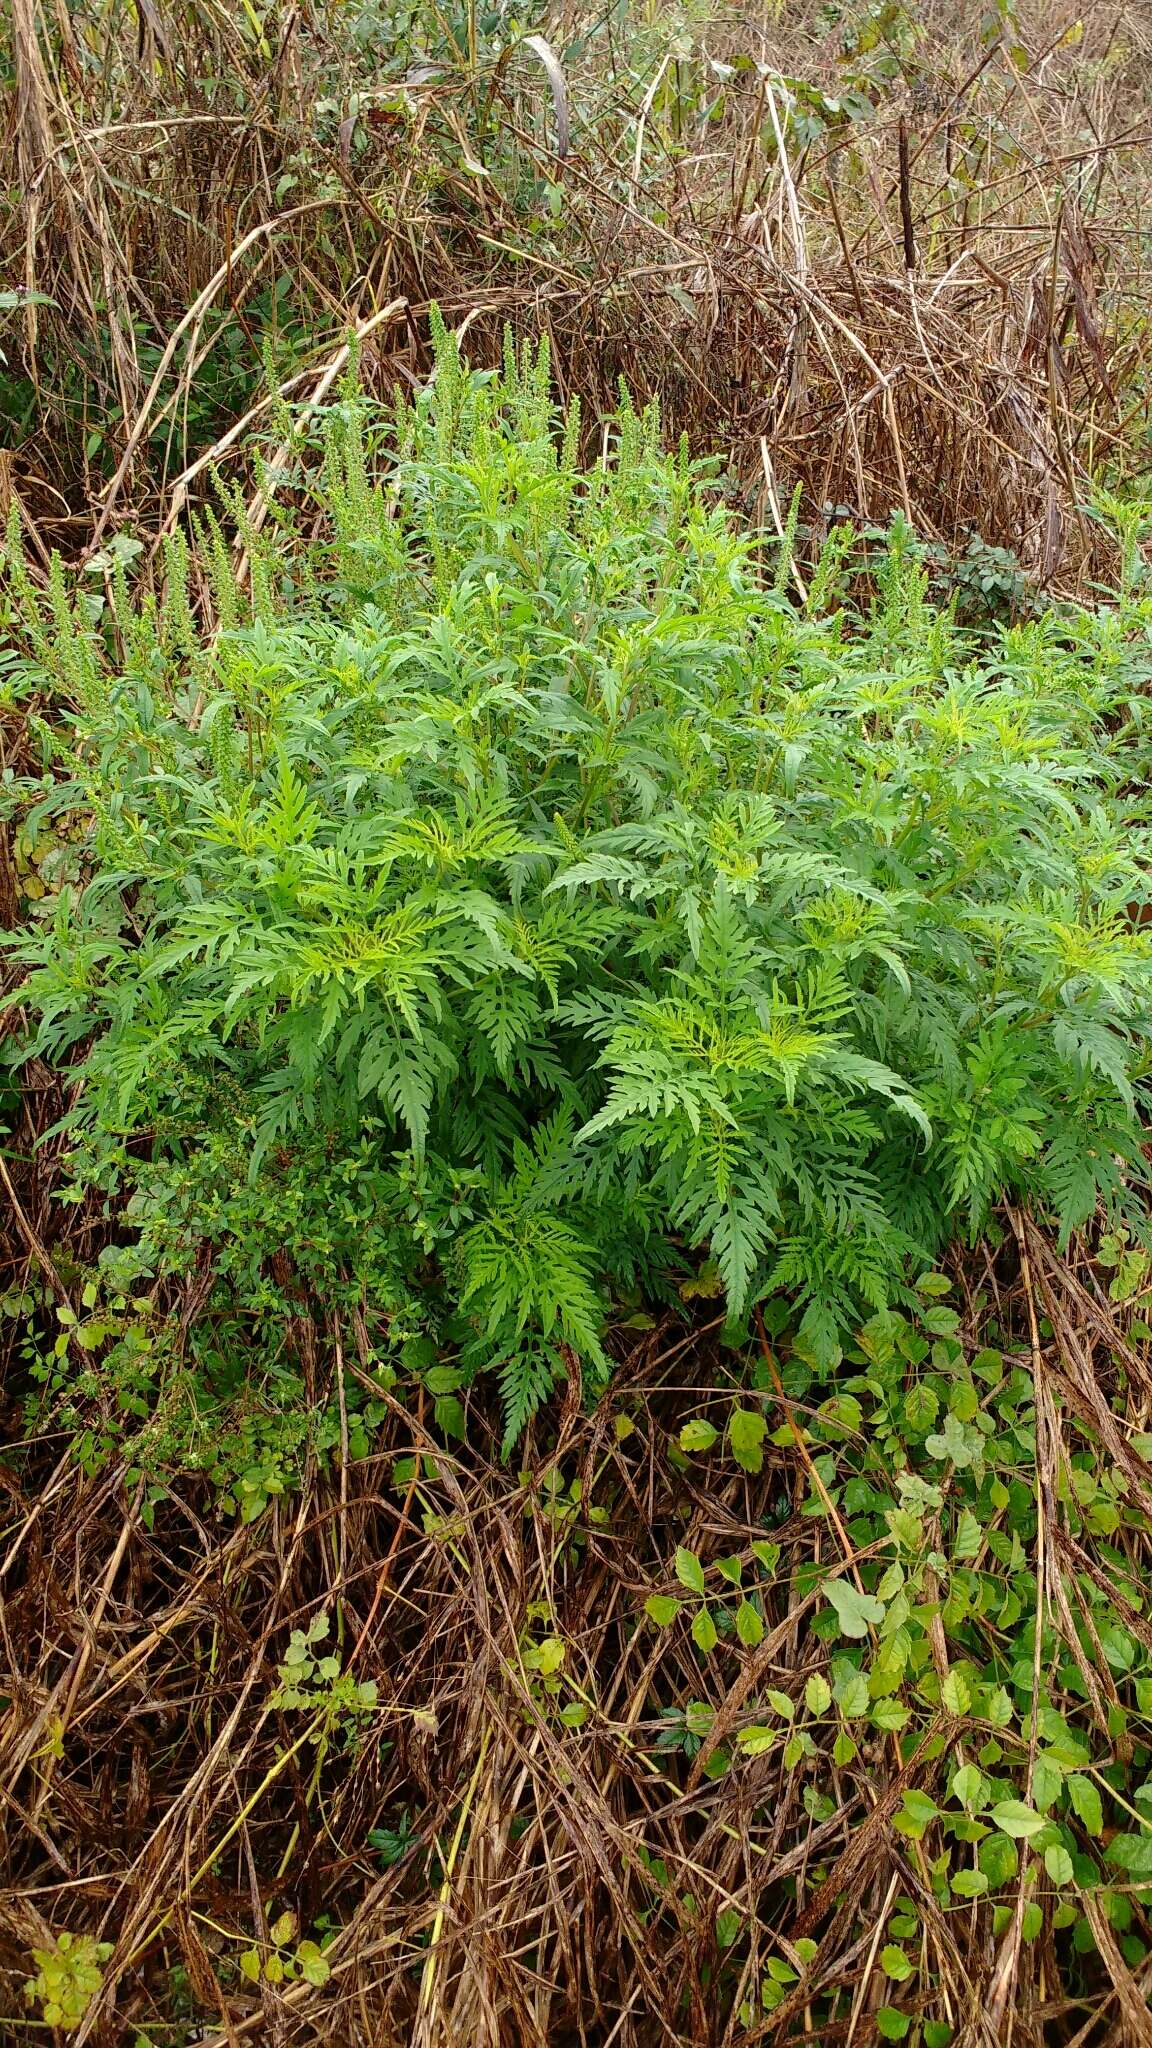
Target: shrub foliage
515,899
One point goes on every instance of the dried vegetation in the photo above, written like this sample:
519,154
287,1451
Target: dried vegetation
898,259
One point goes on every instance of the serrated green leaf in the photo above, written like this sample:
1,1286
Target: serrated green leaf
890,1714
817,1694
1014,1818
854,1610
314,1966
746,1432
891,2024
662,1608
934,1284
728,1925
704,1633
1086,1804
698,1435
852,1696
689,1570
1058,1863
1133,1853
921,1407
749,1626
756,1741
956,1693
968,1785
450,1417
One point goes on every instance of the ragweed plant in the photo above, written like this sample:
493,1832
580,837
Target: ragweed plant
516,898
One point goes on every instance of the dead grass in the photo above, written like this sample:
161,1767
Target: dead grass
936,310
550,1885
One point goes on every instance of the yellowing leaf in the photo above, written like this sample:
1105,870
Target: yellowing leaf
704,1631
698,1435
662,1608
817,1694
755,1741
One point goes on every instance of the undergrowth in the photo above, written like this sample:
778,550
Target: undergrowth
517,909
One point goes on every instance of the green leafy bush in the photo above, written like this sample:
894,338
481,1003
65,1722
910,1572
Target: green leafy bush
515,897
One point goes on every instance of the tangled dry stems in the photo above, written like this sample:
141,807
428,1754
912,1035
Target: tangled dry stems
937,311
557,1885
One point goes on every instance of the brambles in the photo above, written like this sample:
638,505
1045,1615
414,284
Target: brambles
518,898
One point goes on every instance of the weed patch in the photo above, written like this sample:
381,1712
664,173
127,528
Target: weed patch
517,907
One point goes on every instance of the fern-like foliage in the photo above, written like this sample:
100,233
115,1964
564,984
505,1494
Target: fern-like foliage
514,843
